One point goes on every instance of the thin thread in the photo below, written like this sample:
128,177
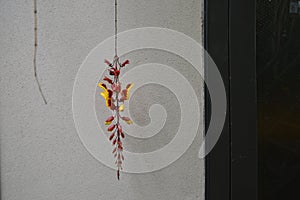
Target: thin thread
35,53
116,27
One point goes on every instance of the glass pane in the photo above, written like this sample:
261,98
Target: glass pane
278,73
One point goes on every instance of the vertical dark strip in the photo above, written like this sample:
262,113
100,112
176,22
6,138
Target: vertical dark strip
229,101
243,106
216,43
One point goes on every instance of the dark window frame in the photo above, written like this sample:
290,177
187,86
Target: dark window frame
232,166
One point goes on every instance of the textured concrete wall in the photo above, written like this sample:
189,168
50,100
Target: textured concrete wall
42,156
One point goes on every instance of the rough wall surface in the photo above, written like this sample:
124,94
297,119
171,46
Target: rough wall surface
42,156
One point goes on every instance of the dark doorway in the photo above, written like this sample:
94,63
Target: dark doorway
278,78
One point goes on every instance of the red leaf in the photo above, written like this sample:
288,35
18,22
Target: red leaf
107,62
112,106
109,102
108,80
119,128
125,63
111,128
112,136
122,135
117,72
110,119
111,71
126,118
120,145
122,99
110,93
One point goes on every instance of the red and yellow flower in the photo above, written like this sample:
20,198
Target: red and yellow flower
114,99
107,94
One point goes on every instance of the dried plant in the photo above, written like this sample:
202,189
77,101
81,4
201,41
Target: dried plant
115,97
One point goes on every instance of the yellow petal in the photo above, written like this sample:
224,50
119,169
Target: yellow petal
129,122
128,90
104,94
101,85
107,123
121,108
130,86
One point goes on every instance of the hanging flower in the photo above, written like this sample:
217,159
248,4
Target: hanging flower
114,99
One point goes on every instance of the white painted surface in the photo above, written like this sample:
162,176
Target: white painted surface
42,156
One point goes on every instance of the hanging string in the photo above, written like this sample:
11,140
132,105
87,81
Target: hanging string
35,52
116,28
115,98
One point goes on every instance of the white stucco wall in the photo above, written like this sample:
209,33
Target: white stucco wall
42,156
